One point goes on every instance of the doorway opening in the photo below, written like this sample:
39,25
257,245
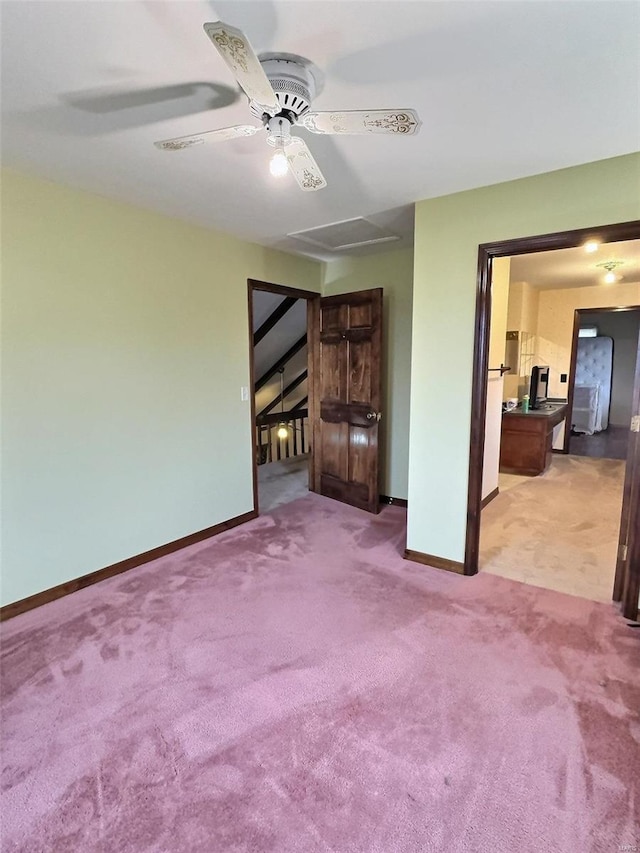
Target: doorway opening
334,422
281,392
526,440
603,359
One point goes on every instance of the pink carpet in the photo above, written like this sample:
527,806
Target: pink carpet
294,685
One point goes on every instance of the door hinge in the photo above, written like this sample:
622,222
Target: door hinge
623,552
635,423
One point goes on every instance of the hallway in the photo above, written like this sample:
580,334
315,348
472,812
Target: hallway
282,482
611,443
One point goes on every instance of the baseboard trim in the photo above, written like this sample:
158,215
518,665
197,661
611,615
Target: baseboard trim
434,562
66,588
489,498
386,499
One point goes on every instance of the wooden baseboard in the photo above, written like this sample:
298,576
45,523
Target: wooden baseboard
489,498
434,562
385,499
17,607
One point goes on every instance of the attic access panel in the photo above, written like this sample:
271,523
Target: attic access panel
348,234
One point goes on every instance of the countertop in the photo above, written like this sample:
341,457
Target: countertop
546,411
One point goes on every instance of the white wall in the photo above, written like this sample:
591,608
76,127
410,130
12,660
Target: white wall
125,341
393,271
448,232
495,383
522,316
555,322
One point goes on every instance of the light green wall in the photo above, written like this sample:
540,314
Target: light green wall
392,271
125,344
448,232
124,337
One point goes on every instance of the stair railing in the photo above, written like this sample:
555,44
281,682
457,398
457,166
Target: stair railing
270,446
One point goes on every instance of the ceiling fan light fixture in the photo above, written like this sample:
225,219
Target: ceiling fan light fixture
279,130
278,165
280,88
283,427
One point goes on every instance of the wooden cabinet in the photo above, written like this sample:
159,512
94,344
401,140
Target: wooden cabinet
527,438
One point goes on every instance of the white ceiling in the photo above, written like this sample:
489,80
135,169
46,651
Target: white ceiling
271,390
264,304
504,89
284,334
563,268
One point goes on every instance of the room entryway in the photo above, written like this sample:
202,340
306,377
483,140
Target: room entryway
605,346
279,352
558,526
552,518
316,381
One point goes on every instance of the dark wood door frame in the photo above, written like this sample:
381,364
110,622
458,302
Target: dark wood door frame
626,587
577,314
486,253
313,301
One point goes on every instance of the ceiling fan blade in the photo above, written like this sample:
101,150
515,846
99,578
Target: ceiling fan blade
401,122
234,47
305,169
220,135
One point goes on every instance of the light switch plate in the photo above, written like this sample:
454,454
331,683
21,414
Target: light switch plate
244,393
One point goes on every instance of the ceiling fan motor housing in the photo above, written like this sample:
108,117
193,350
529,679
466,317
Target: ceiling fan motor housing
279,130
293,82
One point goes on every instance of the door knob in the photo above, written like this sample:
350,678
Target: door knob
372,415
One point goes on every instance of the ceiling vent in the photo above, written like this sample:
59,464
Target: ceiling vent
345,235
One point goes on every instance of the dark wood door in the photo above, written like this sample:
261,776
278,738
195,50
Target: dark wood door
627,582
348,392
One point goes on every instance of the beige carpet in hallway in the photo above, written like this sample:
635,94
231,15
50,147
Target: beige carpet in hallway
282,482
558,530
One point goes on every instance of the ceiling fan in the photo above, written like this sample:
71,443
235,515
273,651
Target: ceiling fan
281,88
